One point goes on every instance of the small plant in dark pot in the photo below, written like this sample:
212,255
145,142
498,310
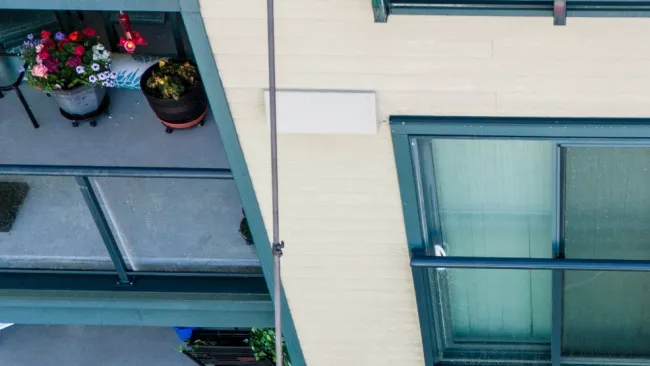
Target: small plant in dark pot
175,92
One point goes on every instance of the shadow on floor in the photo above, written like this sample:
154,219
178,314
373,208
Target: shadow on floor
29,345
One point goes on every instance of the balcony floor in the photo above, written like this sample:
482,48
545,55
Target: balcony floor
130,136
160,224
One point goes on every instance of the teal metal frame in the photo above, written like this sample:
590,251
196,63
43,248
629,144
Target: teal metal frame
564,132
190,12
537,8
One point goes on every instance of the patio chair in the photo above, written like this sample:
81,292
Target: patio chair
11,78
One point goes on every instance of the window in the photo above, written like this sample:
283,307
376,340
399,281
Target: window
529,246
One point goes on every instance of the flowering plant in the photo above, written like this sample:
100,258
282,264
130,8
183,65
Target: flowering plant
63,61
172,78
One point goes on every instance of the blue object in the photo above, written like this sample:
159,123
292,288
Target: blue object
184,333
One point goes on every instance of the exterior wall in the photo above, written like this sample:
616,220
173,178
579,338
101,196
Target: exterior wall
346,270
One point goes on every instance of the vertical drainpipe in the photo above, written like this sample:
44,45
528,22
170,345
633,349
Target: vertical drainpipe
277,244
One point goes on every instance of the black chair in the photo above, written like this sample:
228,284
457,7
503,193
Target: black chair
11,78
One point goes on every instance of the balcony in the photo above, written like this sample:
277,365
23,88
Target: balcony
170,220
119,222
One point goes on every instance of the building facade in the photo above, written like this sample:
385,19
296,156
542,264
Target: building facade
492,214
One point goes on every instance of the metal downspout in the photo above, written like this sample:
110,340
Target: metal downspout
277,244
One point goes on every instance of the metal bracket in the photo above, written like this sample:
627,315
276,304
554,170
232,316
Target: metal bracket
129,283
277,248
559,12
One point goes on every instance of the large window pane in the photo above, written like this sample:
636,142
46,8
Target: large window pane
177,224
51,229
476,313
607,216
494,198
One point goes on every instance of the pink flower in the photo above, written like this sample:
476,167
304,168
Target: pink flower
39,48
39,71
39,60
51,64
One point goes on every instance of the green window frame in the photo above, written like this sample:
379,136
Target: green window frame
558,9
423,224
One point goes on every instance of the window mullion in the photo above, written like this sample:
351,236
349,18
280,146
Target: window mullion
558,253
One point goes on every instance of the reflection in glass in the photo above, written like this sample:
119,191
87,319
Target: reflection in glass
177,224
607,216
495,199
51,229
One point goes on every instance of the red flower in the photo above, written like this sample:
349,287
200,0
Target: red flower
46,34
62,43
43,55
89,32
47,44
73,61
79,50
74,36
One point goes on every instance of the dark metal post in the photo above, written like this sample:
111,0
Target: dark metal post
104,230
277,244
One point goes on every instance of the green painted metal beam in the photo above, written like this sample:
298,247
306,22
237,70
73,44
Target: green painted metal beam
135,308
191,12
89,281
380,10
530,127
114,5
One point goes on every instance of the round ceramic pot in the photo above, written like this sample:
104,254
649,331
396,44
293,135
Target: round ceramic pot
189,110
80,101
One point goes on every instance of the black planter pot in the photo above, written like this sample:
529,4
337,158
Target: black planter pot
222,348
188,111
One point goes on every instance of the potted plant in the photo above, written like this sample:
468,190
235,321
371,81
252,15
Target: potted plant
262,342
74,69
175,92
233,347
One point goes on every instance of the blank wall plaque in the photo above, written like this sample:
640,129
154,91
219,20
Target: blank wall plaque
324,112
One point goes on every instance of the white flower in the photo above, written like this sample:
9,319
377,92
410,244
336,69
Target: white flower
106,84
113,75
92,78
98,47
57,86
102,76
39,48
80,69
95,67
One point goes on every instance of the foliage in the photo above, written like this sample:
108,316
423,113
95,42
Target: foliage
171,79
262,342
62,62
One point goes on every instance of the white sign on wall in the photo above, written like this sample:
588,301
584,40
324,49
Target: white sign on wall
324,112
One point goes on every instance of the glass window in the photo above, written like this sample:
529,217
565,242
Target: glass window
493,198
606,216
46,224
496,198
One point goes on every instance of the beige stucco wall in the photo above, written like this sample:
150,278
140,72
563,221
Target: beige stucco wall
346,269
